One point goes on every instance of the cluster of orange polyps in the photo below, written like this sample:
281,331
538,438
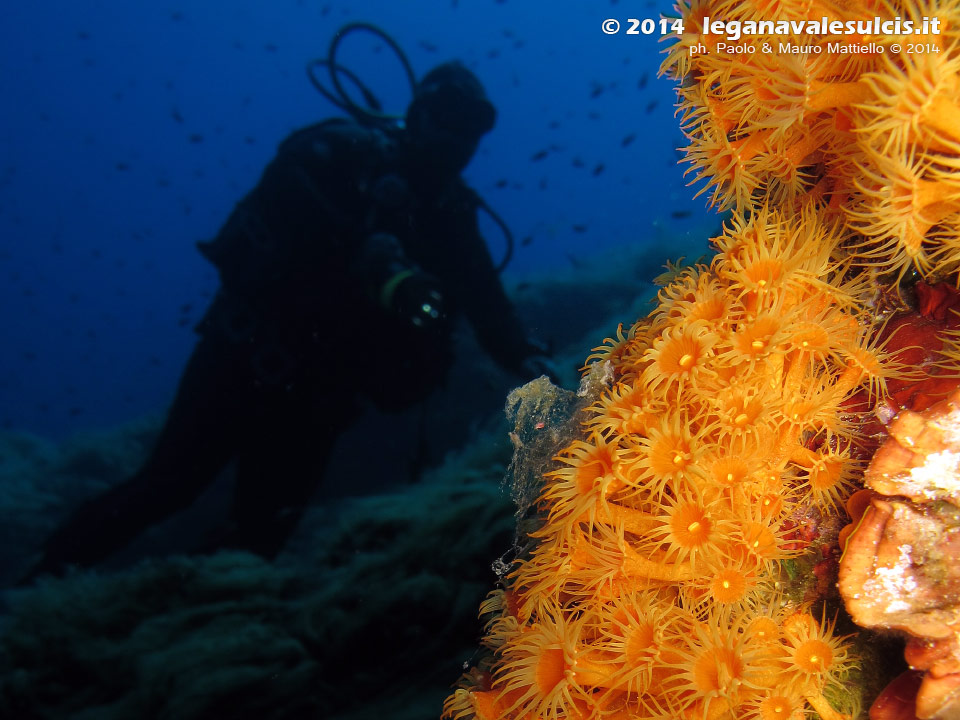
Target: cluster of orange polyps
872,136
654,590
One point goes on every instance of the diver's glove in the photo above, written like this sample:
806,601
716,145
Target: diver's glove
416,297
536,365
537,362
399,285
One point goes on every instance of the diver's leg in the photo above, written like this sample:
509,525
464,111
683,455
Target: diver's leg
277,477
205,425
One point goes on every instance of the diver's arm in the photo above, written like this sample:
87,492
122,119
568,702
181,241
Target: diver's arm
480,294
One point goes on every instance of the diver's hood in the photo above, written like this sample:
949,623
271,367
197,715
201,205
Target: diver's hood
454,101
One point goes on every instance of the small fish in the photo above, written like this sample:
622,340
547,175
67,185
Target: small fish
597,91
196,138
574,260
523,286
493,53
539,155
577,228
543,183
680,214
501,183
628,139
650,106
175,114
122,166
428,46
271,47
642,82
594,115
185,308
527,239
554,124
598,169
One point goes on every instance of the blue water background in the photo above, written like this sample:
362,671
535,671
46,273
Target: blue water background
129,130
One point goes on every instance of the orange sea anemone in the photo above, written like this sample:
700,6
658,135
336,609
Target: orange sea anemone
537,673
815,658
678,358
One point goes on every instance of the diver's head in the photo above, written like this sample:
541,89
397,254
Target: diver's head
446,119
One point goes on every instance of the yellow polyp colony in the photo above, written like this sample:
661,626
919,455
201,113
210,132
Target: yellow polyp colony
655,586
869,132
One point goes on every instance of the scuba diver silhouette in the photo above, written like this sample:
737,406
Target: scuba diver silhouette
340,274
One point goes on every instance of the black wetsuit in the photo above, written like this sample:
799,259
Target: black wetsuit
296,335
